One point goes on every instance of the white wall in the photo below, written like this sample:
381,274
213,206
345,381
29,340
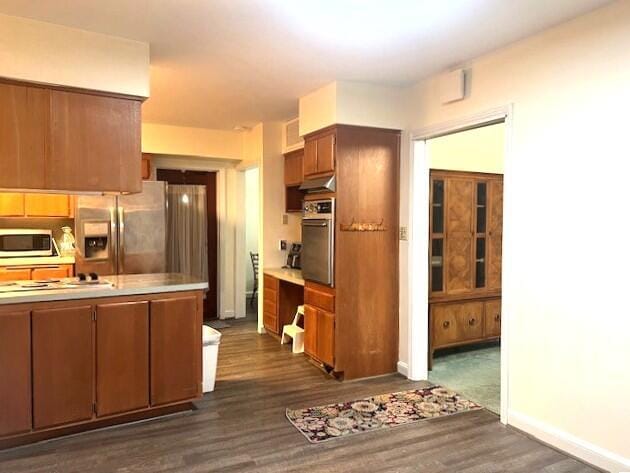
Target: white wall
251,210
565,226
43,52
477,150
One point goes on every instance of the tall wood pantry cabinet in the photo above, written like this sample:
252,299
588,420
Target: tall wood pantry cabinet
465,224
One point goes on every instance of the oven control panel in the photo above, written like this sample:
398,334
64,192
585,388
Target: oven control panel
319,209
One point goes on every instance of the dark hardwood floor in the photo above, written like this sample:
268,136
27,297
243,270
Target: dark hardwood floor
241,427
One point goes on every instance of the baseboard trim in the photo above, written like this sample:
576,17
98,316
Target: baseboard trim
403,368
569,443
227,314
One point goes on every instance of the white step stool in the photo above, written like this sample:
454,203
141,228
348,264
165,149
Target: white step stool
295,332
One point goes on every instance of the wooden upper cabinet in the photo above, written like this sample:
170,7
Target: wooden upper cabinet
95,143
11,204
63,366
52,138
15,366
175,349
24,136
47,205
293,164
319,155
122,357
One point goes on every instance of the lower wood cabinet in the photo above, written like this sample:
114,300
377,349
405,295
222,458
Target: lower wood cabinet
319,322
15,367
271,287
463,323
175,350
122,357
63,366
68,365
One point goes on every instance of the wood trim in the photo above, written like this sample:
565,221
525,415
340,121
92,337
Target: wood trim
342,126
68,88
102,422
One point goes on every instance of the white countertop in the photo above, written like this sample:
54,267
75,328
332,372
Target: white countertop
37,260
286,274
123,285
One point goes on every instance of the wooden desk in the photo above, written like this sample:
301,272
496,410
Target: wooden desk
283,292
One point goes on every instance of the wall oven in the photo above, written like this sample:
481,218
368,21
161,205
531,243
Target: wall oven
318,241
25,243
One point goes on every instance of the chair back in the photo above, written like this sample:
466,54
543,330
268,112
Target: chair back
254,257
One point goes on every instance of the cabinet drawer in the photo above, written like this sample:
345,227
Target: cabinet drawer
51,272
270,321
320,297
456,323
15,274
492,318
470,321
270,307
270,282
270,295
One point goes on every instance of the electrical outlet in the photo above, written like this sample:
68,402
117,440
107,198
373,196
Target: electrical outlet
403,234
285,219
283,245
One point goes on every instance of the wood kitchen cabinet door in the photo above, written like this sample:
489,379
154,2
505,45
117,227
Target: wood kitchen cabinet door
459,230
326,337
47,205
122,357
310,158
492,318
15,366
326,154
102,152
175,344
11,204
293,164
310,330
63,366
24,134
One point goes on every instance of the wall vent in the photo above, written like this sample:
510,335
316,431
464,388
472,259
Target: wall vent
291,136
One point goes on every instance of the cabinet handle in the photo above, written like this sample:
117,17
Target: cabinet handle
472,321
446,324
497,317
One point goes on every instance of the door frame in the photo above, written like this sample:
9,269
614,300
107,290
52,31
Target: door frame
418,281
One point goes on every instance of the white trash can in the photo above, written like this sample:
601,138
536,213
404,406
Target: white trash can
211,340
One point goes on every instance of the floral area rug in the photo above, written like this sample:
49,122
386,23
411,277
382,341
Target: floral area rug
322,423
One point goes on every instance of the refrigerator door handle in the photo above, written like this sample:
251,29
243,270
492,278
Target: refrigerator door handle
121,240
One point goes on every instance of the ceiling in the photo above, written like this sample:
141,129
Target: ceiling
227,63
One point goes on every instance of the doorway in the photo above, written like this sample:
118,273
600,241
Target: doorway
251,257
208,181
456,315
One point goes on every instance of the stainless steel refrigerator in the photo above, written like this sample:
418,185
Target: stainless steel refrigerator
123,234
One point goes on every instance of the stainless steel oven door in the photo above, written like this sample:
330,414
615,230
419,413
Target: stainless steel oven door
318,250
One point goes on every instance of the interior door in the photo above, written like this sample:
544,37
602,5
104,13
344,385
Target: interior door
15,366
122,357
459,235
175,350
63,366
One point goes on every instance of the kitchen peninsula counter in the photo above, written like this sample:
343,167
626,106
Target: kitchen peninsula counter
74,359
122,285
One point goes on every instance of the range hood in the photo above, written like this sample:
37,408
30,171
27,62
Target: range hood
320,184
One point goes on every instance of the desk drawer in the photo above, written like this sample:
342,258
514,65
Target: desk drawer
321,297
270,282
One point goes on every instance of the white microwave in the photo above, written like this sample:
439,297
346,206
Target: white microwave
25,243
